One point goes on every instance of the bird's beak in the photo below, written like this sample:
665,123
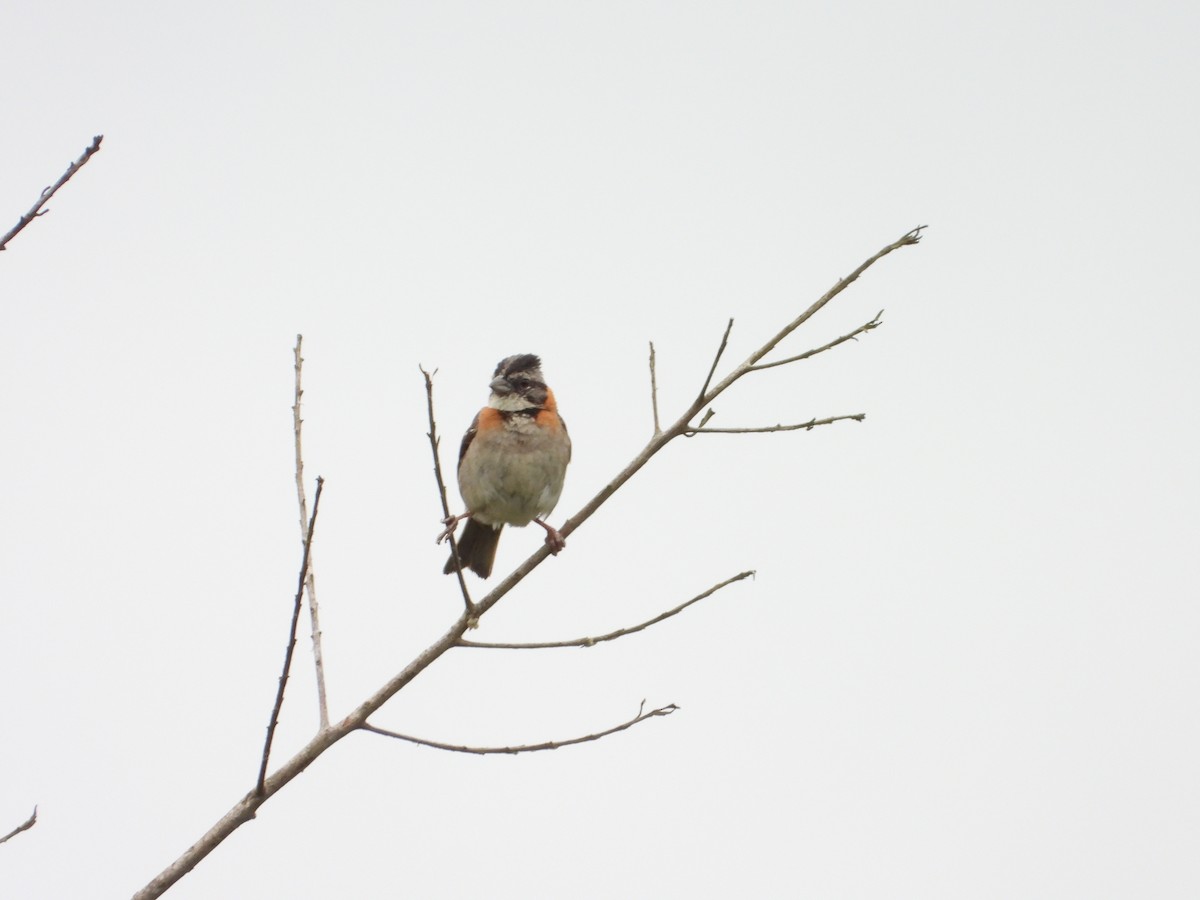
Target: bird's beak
500,386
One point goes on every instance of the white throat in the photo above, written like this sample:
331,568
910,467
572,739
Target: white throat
508,402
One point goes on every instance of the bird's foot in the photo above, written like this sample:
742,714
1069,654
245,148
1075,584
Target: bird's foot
451,523
554,540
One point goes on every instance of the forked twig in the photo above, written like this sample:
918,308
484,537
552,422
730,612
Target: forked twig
641,716
434,442
291,647
24,826
311,584
612,635
36,210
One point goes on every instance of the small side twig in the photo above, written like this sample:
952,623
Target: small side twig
716,359
853,335
654,390
641,716
260,787
434,442
612,635
24,826
311,584
803,426
36,210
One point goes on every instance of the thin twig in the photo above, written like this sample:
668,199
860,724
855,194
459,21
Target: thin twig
311,584
291,647
716,359
24,826
36,210
654,390
641,716
853,335
612,635
803,426
434,442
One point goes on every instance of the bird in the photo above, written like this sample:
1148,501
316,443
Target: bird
511,465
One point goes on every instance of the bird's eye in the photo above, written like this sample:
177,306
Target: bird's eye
520,382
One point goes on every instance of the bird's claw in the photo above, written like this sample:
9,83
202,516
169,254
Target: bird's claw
554,540
451,523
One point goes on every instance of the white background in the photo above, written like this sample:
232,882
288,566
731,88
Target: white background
967,666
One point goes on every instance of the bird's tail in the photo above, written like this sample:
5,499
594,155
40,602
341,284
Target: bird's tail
476,549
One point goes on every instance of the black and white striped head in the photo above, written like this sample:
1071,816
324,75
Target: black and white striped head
518,383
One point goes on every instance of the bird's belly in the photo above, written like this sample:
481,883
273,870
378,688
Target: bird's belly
513,482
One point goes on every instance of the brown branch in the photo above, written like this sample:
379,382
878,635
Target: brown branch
434,442
612,635
245,809
683,424
291,647
912,237
716,359
654,390
24,826
36,210
641,716
311,584
853,335
803,426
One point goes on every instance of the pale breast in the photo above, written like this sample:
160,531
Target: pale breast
514,474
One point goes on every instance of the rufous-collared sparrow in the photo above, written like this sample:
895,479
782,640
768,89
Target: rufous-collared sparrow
511,464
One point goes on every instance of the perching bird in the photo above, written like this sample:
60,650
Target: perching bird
511,465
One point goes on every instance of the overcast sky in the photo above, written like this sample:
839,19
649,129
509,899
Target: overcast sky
967,666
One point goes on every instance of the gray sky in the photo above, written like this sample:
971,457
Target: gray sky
968,664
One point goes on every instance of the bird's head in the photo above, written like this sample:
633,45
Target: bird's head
518,384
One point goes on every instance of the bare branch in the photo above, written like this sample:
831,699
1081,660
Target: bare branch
313,610
24,826
803,426
853,335
654,390
641,716
434,441
612,635
683,425
716,359
36,210
246,808
909,239
291,647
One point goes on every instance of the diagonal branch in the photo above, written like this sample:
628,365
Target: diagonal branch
683,424
245,809
803,426
291,647
641,716
612,635
311,584
853,335
36,210
909,239
434,442
24,826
